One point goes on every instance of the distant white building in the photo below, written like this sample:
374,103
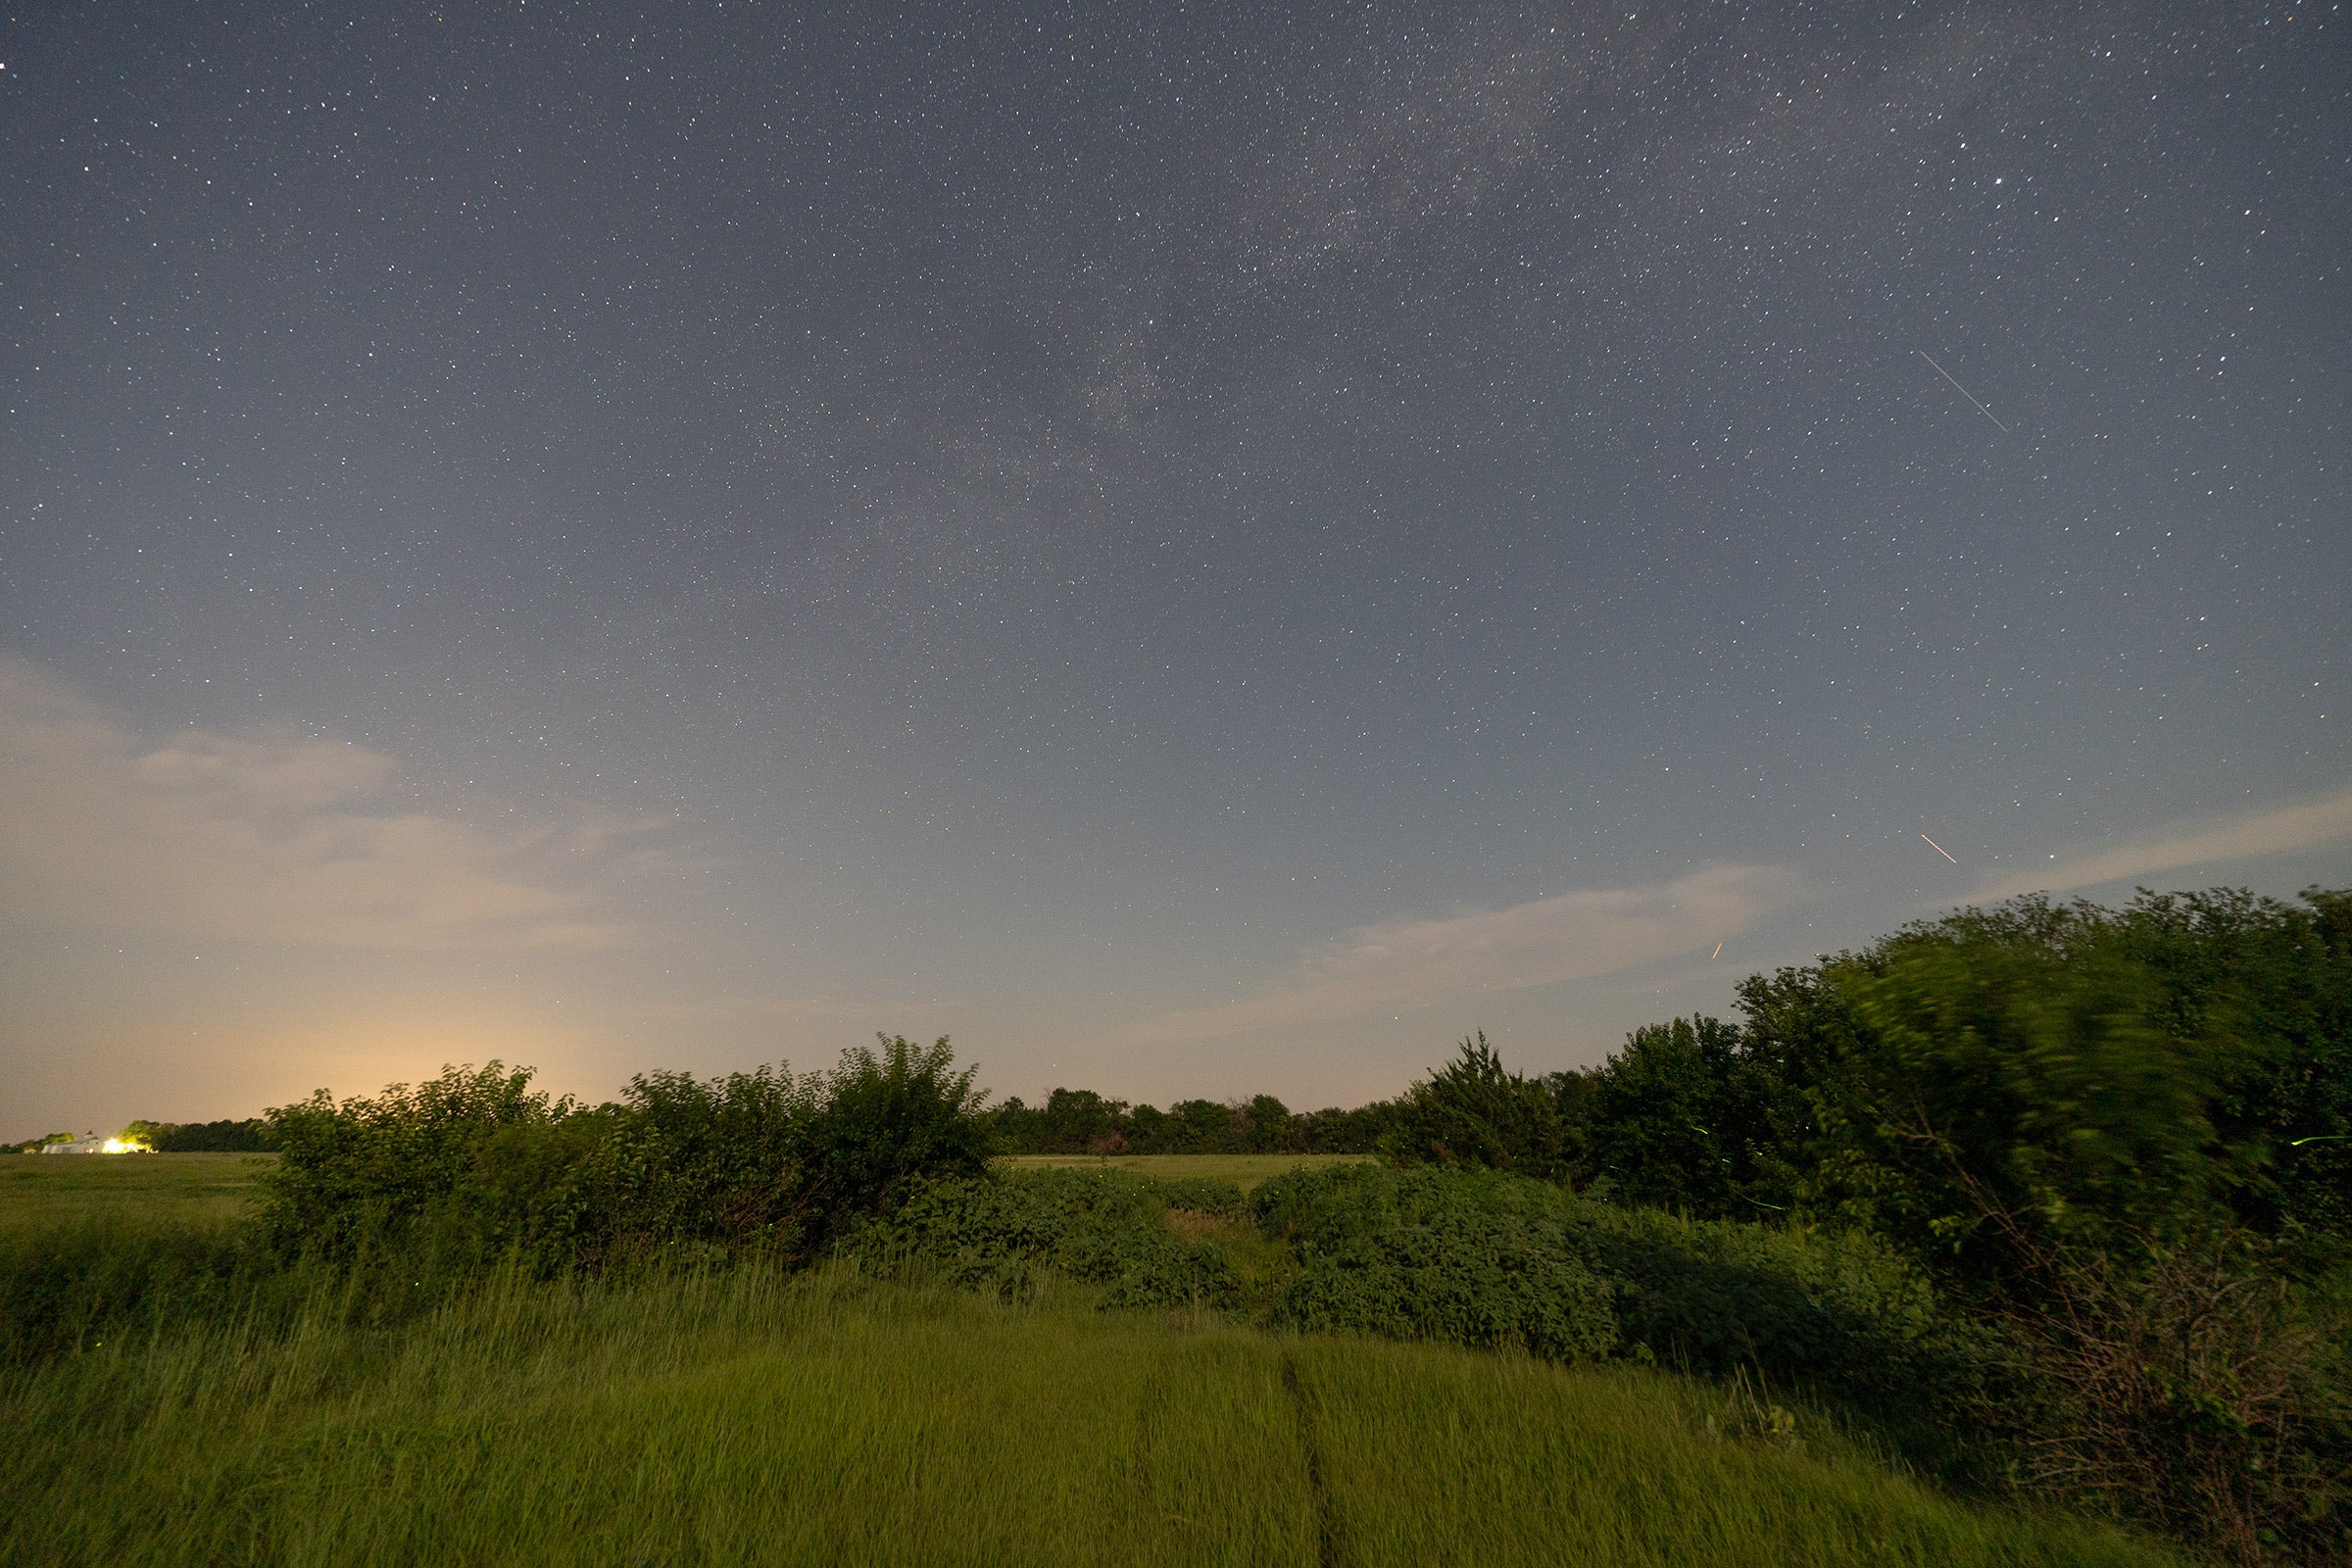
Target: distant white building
93,1144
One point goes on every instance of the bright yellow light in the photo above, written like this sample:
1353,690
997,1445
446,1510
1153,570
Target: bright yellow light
119,1146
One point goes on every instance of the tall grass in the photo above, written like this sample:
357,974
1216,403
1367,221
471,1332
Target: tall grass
835,1416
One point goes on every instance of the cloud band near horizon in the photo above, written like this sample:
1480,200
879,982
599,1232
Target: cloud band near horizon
272,837
1571,936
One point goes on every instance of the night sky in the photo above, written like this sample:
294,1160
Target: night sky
1200,549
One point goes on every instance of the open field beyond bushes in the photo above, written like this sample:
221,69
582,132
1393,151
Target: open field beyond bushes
52,1189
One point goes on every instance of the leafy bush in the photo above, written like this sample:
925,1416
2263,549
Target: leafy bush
1463,1256
1109,1227
2193,1386
1203,1195
1484,1258
363,1169
877,1125
472,1166
1839,1315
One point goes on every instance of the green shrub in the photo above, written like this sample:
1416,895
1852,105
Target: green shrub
473,1167
1481,1257
1108,1227
356,1171
1466,1256
877,1126
1204,1195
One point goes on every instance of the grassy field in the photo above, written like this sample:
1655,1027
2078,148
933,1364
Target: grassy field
60,1189
836,1416
1243,1170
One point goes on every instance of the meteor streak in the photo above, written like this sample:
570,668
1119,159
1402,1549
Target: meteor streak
1940,850
1717,954
1964,392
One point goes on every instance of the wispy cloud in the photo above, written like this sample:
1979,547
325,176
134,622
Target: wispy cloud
2280,830
1573,936
270,836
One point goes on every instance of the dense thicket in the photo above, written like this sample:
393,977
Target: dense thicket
2119,1141
998,1233
474,1166
1979,1090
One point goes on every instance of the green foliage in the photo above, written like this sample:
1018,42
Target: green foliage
2021,1077
2275,981
368,1168
1477,1257
2037,1075
1108,1227
1203,1195
472,1166
1837,1317
877,1124
1684,1119
1454,1256
1473,1112
72,1287
2120,1142
2193,1386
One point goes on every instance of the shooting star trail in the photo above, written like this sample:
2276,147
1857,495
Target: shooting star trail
1717,954
1940,849
1964,392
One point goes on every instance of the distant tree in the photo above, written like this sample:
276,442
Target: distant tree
1333,1131
1266,1126
1146,1129
1202,1127
1076,1122
251,1136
